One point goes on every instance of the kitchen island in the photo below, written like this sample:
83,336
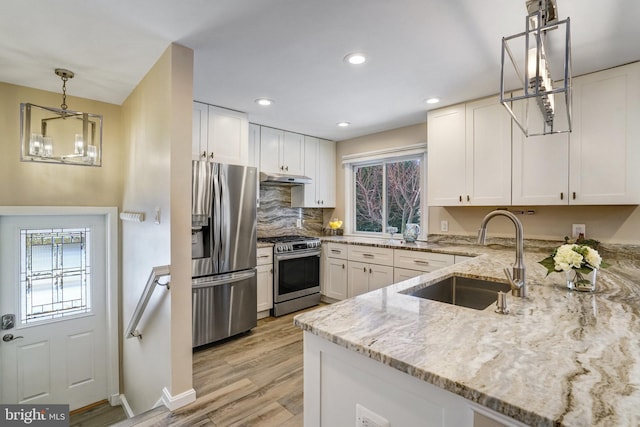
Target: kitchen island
558,358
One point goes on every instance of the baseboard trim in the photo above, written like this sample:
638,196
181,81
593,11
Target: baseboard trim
175,402
125,405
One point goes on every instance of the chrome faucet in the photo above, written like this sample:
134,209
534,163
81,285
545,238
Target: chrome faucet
516,279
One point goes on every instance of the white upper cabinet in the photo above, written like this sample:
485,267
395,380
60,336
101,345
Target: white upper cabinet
596,164
254,146
281,151
219,135
199,141
540,168
605,142
469,155
320,166
446,167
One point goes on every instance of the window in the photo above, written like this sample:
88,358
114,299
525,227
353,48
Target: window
55,273
387,193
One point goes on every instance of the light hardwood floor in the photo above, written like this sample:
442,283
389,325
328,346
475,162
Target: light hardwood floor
251,380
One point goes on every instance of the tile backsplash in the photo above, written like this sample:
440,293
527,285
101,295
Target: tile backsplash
276,217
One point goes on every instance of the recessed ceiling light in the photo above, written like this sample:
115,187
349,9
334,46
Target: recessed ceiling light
343,124
264,102
432,100
356,58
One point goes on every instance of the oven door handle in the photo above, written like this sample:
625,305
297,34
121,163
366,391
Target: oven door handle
299,254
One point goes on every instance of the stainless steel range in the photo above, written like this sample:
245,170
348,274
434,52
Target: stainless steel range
296,273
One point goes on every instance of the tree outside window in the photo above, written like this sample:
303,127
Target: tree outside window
387,194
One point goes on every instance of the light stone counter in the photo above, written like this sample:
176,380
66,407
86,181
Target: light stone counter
559,358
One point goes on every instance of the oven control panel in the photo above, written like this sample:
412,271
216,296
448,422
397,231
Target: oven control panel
296,246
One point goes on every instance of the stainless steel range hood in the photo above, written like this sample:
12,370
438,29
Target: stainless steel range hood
282,179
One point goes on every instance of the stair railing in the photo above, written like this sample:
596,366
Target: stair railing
152,281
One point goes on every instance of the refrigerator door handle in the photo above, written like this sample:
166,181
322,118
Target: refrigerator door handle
225,211
222,279
216,219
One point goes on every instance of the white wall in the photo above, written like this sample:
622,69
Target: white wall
157,131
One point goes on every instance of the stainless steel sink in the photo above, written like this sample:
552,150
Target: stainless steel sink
463,291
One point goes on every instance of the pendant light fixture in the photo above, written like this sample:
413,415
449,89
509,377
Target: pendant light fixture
535,84
59,135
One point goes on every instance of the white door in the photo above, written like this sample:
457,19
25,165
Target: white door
52,278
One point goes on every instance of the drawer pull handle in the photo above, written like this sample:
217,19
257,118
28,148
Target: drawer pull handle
336,251
367,255
418,261
370,271
263,256
343,266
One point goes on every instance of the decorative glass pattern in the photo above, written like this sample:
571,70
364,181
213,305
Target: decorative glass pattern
55,273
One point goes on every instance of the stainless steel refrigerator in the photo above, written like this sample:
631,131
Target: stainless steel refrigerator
223,243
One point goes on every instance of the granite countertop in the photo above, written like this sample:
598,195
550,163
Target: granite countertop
558,358
264,245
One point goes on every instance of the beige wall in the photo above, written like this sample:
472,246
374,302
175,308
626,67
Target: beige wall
609,224
401,137
43,184
157,133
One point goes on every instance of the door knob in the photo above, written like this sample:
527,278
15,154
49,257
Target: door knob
9,337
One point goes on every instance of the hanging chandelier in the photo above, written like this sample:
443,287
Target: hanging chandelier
535,83
59,135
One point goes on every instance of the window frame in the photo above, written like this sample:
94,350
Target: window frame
417,151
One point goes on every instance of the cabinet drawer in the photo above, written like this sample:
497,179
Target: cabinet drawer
335,250
264,256
422,261
371,254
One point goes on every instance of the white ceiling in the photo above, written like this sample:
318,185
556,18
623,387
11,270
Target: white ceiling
292,52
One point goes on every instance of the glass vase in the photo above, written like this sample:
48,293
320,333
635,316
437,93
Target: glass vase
582,282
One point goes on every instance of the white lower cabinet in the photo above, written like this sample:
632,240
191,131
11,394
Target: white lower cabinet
337,379
334,271
400,274
363,277
265,281
351,270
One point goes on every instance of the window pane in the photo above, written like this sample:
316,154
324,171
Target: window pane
403,193
55,273
368,183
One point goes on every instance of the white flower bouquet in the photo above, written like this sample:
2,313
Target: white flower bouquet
574,257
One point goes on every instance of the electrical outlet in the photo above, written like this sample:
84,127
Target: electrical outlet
299,223
578,229
444,225
156,217
367,418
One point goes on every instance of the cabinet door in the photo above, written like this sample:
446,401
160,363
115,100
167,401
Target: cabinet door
604,143
380,276
488,153
293,153
326,173
270,142
446,158
254,146
400,274
336,283
228,136
265,287
306,196
199,131
540,169
357,278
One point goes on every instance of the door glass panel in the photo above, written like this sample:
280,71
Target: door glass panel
55,273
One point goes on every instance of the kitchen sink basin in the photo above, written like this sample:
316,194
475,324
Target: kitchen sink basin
463,291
